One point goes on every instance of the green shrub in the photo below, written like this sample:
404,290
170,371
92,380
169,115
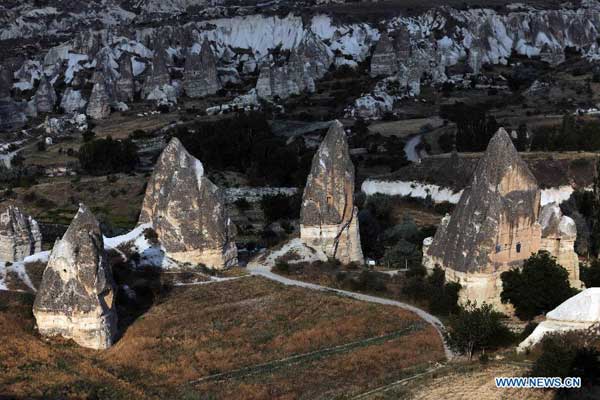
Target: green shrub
282,266
569,354
538,287
476,328
104,156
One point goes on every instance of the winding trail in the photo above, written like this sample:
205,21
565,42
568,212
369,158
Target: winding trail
431,319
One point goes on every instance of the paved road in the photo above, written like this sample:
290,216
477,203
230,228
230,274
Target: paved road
433,320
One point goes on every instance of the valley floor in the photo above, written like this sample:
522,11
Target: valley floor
247,338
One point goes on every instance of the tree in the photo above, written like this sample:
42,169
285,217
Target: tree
104,156
475,329
541,285
591,275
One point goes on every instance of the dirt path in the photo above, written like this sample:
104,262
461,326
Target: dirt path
431,319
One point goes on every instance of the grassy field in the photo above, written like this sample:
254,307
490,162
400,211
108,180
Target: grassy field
193,340
464,382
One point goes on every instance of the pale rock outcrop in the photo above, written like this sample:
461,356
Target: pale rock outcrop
200,74
99,104
20,235
124,85
12,114
45,96
188,212
558,238
384,61
328,218
496,226
315,56
552,55
578,313
159,72
76,298
72,101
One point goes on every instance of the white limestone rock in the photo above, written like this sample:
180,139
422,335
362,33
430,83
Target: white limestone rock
579,312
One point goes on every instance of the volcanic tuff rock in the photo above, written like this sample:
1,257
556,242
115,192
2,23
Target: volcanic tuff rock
315,55
578,313
328,219
72,101
188,212
12,114
385,60
503,193
559,233
124,85
76,298
19,235
45,96
99,104
159,72
495,226
200,75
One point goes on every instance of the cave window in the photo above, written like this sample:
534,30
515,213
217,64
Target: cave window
518,247
498,248
329,200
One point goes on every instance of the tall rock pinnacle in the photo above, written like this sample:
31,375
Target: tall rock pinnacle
200,76
328,218
76,298
188,211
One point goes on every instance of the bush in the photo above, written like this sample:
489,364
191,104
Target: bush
104,156
282,266
590,275
249,147
151,236
88,136
367,281
441,296
475,329
569,354
279,206
242,204
538,287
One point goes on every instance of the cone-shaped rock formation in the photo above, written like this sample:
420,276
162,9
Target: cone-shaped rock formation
200,76
328,219
76,296
495,225
188,211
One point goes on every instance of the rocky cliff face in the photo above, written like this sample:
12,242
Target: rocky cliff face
20,235
159,73
76,298
188,212
72,101
200,76
99,104
124,86
328,218
559,233
499,208
384,61
45,96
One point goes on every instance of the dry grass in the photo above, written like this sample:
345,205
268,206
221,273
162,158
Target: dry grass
473,381
195,331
